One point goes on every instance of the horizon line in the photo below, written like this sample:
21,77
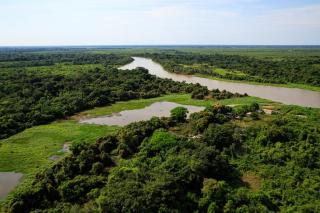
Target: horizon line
158,45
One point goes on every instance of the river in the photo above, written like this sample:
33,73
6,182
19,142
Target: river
284,95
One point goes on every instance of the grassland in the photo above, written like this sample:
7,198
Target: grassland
184,99
30,150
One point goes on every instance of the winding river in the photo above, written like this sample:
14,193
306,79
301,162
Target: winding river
284,95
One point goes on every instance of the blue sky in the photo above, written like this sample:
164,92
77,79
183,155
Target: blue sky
134,22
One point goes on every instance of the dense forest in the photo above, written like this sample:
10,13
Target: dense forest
31,97
208,163
28,99
20,59
304,70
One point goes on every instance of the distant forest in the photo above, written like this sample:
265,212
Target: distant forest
282,70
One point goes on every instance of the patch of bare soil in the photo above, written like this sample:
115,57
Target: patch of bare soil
252,180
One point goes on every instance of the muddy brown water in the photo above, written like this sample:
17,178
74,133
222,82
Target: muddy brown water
158,109
284,95
8,181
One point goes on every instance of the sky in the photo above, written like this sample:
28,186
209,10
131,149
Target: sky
159,22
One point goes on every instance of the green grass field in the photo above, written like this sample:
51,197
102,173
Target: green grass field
29,150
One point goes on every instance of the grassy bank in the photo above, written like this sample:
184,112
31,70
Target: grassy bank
177,98
27,152
30,150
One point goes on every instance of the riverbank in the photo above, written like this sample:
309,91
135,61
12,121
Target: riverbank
290,85
184,99
285,95
31,149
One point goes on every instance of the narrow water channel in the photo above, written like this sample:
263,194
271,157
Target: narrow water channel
8,180
284,95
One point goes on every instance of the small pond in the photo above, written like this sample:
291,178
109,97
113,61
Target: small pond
158,109
8,180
